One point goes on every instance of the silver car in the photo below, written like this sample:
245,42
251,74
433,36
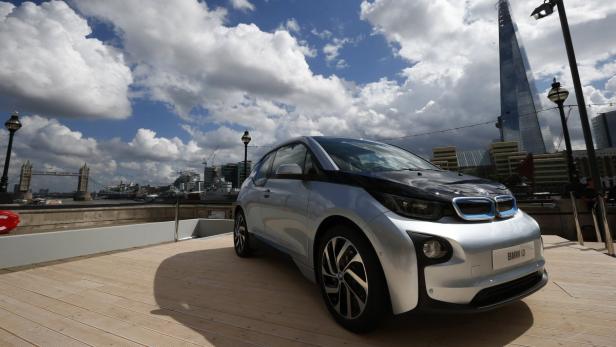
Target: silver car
383,231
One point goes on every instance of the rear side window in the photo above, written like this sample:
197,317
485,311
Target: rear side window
263,170
291,154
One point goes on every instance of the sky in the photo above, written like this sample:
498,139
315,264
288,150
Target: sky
139,89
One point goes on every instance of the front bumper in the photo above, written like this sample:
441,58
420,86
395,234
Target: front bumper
488,298
468,280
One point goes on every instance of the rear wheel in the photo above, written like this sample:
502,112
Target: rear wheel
241,237
351,279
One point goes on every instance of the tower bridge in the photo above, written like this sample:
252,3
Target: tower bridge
25,179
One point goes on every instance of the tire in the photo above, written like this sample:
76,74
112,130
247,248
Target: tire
356,278
241,237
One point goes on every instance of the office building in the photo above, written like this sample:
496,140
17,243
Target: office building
550,170
604,130
230,173
445,158
506,157
606,162
518,121
209,176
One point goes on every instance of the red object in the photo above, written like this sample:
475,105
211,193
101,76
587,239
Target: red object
527,167
8,221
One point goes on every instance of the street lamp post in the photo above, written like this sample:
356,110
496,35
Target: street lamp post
12,125
558,95
546,9
246,139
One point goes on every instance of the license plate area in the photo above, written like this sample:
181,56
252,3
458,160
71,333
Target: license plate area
510,256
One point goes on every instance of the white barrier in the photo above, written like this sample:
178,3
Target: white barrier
29,249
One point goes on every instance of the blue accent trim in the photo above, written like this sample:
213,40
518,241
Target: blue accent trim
475,217
507,213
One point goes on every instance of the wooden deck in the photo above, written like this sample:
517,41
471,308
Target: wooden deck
199,293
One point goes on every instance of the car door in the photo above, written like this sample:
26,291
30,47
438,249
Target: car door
284,208
254,197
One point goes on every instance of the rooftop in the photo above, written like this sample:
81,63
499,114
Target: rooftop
199,292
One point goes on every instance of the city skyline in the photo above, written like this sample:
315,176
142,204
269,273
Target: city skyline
140,97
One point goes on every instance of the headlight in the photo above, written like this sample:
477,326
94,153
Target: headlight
411,207
431,249
434,249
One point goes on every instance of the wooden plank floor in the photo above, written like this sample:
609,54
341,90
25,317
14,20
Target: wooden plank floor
198,293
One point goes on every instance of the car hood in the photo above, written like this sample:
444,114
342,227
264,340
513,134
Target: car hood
440,185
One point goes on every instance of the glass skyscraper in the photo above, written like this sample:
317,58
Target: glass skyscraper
518,121
604,130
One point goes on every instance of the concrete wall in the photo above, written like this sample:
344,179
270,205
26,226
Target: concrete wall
18,250
557,219
44,220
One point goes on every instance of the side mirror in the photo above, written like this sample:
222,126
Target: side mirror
289,170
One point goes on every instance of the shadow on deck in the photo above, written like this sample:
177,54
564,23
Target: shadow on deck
267,296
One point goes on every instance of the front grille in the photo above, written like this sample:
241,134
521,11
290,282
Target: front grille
478,208
505,206
493,295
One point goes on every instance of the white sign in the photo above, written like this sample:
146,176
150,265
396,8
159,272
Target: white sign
506,257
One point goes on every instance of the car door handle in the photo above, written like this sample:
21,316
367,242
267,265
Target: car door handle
266,194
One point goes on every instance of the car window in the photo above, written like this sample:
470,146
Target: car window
263,170
291,154
368,156
311,167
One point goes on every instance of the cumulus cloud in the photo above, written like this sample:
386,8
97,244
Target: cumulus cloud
49,64
186,56
242,5
292,25
332,49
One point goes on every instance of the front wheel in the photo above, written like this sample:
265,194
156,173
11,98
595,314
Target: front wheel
351,280
241,236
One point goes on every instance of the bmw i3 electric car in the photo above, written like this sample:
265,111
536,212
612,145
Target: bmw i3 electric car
383,231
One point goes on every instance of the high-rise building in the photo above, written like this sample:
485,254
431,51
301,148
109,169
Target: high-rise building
604,130
445,158
209,176
518,121
230,173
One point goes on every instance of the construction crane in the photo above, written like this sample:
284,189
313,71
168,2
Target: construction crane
211,158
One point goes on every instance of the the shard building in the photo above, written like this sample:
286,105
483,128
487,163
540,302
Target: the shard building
518,121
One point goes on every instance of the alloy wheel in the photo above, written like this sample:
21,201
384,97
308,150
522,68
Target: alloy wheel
344,277
239,233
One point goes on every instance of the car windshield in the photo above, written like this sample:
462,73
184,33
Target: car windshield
367,156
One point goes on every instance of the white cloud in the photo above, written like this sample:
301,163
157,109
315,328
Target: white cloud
242,5
332,49
49,65
292,25
185,56
323,35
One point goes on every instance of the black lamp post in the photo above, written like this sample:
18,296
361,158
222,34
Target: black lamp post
558,95
546,9
246,139
12,125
